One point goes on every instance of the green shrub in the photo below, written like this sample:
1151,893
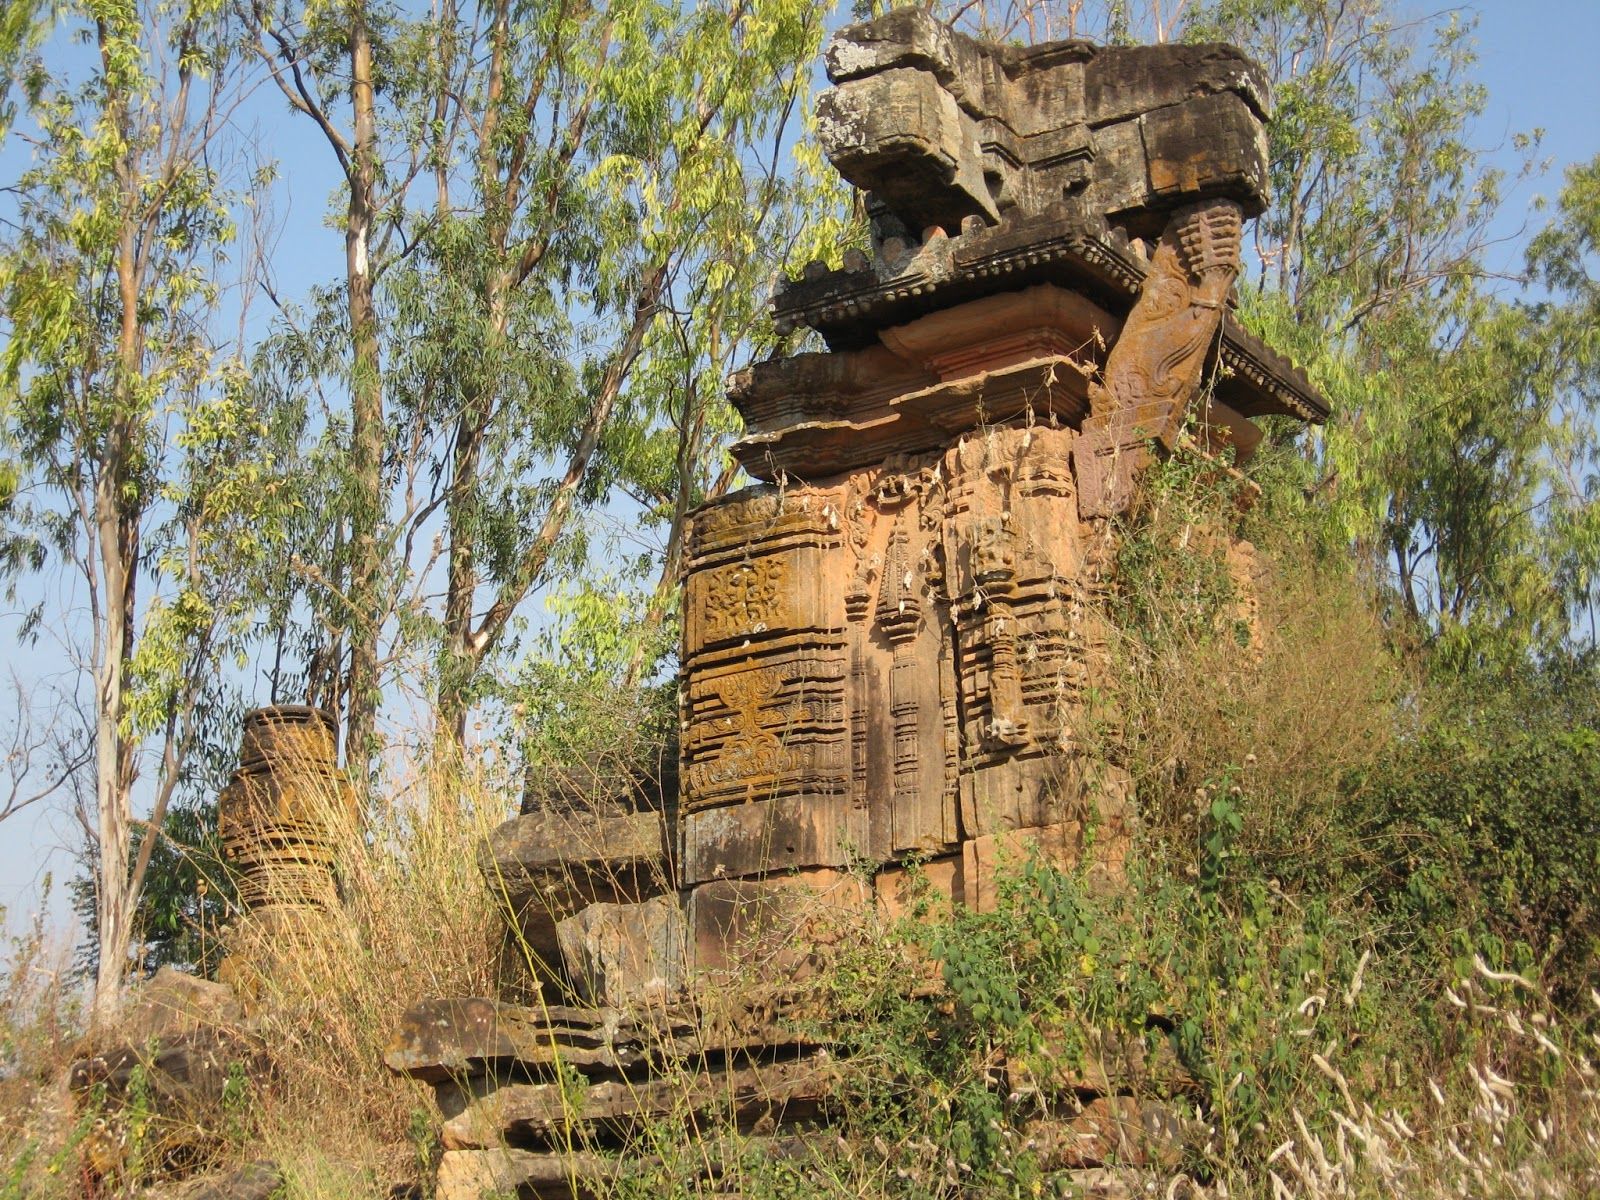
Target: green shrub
1490,842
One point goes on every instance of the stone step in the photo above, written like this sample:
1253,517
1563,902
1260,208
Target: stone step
575,1174
527,1114
445,1041
472,1174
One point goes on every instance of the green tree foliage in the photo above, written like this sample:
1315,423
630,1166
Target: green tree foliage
1565,258
611,189
582,289
185,902
1461,454
128,430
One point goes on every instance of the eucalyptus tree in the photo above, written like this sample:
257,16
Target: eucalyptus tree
1458,455
1378,192
343,67
128,435
1564,258
606,220
610,190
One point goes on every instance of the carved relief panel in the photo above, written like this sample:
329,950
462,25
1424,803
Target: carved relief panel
904,700
764,654
1018,555
890,664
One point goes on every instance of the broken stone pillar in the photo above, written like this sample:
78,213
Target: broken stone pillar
890,646
285,815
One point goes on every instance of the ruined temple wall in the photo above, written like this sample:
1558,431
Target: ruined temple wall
897,662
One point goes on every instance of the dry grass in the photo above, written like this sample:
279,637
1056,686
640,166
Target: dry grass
417,920
1259,671
40,1016
1499,1098
1517,1113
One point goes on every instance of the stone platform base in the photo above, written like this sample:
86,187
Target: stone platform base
562,1102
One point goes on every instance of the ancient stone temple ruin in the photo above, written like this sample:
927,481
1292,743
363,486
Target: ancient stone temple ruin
890,646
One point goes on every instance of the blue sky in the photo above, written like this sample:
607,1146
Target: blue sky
1541,62
1538,59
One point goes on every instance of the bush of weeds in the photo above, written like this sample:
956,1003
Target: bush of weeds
1226,987
1489,841
1453,814
1298,1061
1259,663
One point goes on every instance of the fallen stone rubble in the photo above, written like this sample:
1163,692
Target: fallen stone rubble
560,1101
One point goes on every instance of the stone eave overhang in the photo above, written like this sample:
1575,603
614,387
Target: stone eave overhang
849,307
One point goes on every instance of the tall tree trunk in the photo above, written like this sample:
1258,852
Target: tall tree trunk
116,548
367,433
455,673
114,899
461,649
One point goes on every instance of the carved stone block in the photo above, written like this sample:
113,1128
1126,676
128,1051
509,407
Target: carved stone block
902,135
1214,146
622,954
1124,81
942,129
780,834
544,867
765,728
501,1171
770,930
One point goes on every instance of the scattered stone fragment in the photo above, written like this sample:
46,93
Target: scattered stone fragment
259,1180
173,1002
441,1040
547,866
188,1053
619,954
475,1174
